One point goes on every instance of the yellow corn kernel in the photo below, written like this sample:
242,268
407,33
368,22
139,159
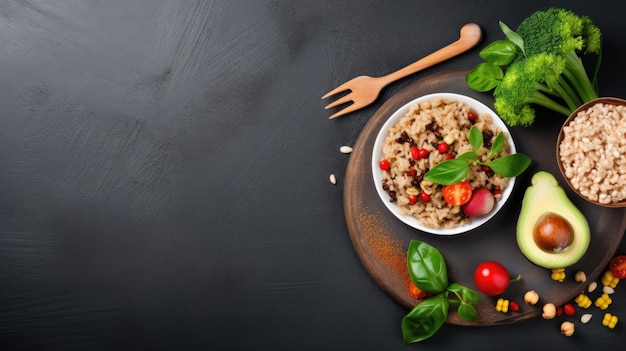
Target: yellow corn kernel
502,305
412,191
558,274
603,301
609,320
608,279
583,301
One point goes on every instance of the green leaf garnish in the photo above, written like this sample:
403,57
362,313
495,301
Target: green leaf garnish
513,37
499,52
425,319
497,146
448,172
427,270
454,171
509,166
484,77
475,138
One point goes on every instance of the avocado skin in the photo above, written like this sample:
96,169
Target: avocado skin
545,195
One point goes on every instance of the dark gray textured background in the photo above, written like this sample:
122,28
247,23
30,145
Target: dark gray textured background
164,172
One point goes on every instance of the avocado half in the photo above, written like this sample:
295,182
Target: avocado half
544,196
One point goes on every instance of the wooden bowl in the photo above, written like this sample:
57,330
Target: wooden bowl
562,167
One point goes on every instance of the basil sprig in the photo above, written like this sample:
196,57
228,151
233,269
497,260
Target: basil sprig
455,170
427,270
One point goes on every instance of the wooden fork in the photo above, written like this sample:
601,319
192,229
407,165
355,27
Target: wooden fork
364,89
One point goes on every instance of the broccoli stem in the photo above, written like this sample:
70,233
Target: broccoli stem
571,98
577,75
560,90
545,101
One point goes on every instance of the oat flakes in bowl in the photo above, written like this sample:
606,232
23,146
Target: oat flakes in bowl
591,151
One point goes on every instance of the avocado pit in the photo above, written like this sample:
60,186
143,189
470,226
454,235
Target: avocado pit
553,233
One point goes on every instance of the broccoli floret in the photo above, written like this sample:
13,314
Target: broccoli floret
562,32
536,80
541,63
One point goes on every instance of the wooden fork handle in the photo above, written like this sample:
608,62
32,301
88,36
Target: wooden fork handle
470,35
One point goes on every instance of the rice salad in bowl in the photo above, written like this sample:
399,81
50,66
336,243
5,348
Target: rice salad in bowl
424,133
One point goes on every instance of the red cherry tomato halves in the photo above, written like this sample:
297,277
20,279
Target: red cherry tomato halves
617,266
491,278
415,291
457,194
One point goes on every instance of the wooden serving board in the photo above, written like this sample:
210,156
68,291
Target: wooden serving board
381,240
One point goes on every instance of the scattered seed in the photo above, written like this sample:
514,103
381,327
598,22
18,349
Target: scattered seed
608,290
333,178
585,318
592,286
345,149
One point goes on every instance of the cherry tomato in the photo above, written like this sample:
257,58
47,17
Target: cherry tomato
443,147
415,291
384,165
424,196
457,194
491,278
617,266
413,199
472,116
569,309
415,152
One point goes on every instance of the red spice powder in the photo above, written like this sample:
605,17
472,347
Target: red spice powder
385,247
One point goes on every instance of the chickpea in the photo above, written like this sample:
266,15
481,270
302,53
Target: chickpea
567,328
549,311
531,297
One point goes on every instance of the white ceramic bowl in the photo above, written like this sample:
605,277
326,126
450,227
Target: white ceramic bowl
377,155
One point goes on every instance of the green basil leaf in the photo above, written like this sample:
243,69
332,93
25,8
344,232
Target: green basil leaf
466,294
456,288
448,172
475,138
425,319
470,296
468,155
427,268
499,52
467,312
510,166
484,77
513,37
498,144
